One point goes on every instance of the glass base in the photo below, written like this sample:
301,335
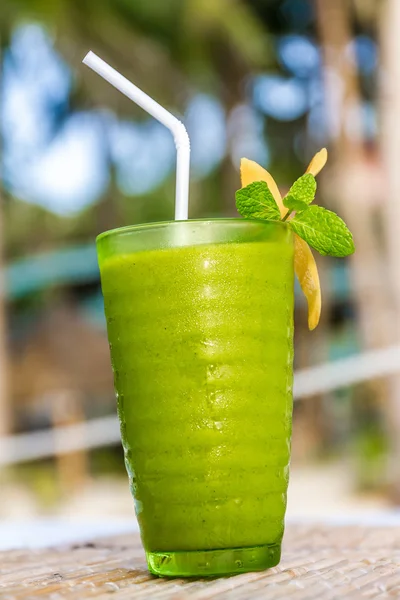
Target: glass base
211,563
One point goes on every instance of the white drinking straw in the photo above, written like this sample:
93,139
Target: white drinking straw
176,127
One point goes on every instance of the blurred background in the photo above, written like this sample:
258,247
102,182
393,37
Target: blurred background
272,80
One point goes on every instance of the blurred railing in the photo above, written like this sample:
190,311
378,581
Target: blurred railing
104,431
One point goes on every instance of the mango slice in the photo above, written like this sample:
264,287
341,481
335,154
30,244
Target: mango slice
306,270
318,162
251,171
304,263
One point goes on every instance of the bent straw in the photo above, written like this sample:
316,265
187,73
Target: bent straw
176,127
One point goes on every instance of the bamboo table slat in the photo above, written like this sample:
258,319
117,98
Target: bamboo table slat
319,563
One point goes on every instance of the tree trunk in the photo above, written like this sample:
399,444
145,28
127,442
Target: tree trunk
350,174
72,467
390,146
232,74
5,406
354,195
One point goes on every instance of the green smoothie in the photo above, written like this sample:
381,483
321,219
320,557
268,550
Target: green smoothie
201,339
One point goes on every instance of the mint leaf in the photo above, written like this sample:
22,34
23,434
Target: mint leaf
324,231
293,204
304,188
255,201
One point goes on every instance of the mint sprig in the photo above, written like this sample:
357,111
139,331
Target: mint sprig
323,230
320,228
304,188
255,201
294,204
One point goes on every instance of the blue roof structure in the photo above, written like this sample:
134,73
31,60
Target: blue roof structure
69,266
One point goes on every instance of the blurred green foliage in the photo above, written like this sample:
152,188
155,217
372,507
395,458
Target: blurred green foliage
173,49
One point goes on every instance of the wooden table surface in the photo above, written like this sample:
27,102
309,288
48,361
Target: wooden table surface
319,563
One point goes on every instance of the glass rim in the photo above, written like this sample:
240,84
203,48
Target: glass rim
156,224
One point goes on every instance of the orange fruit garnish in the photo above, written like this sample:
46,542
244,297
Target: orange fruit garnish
251,171
304,263
318,162
306,270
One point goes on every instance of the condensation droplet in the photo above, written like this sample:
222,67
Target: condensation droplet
239,563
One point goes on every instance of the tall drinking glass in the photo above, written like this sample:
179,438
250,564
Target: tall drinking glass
200,325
